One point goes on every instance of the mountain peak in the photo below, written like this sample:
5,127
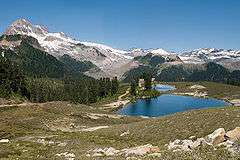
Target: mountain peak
23,26
21,21
160,51
57,44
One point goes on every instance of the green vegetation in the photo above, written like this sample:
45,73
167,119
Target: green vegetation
150,59
35,62
179,73
29,127
215,90
173,73
12,79
162,130
136,73
156,60
79,90
43,130
31,73
123,87
71,89
133,89
76,66
32,127
147,81
146,92
213,72
18,37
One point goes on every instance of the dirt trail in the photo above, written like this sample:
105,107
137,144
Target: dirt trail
13,105
21,104
119,102
120,97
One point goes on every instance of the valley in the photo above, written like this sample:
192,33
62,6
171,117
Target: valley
63,130
62,98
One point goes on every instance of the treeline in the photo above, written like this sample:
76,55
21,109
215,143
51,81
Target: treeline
72,89
213,72
136,73
32,73
77,89
76,66
177,73
34,62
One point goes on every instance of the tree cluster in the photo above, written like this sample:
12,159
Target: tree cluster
147,84
133,89
147,81
77,90
12,79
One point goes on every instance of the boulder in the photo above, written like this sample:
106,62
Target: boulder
134,151
185,145
234,134
198,142
217,137
111,151
4,141
104,152
197,87
125,133
192,137
235,102
66,155
141,150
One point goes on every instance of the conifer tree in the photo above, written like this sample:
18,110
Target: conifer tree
133,89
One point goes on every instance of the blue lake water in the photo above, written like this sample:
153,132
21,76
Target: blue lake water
168,104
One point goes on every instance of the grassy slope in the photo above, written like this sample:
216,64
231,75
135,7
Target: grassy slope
161,131
215,90
21,123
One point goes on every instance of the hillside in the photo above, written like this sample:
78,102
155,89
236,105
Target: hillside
58,44
62,130
169,70
28,54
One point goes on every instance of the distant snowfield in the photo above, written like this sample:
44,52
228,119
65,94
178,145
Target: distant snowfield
110,49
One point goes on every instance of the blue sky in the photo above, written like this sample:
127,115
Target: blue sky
174,25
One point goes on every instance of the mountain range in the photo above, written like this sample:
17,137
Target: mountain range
105,60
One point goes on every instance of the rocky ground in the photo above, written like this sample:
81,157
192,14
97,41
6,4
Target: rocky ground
61,130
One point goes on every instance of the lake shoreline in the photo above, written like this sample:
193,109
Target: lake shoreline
195,100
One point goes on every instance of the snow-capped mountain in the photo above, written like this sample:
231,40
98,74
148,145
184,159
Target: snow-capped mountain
169,56
135,52
57,44
161,52
142,52
204,55
111,61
